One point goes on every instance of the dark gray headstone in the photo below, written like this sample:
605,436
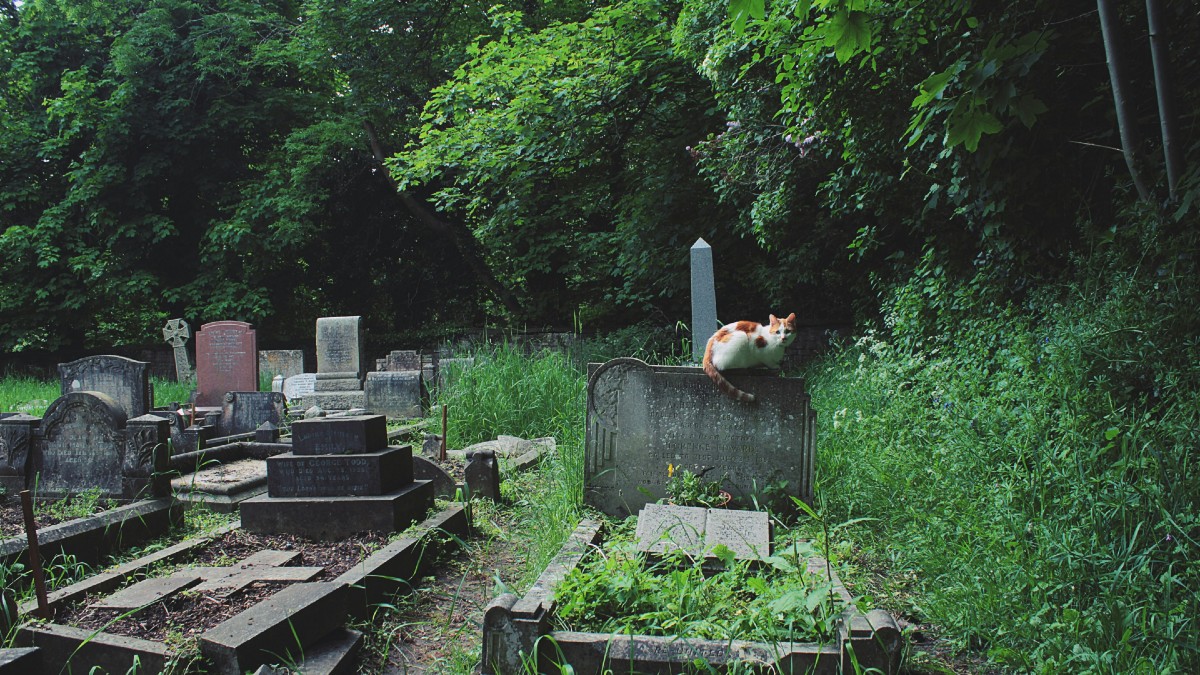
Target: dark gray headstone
285,362
124,380
427,469
641,419
243,411
400,360
371,473
16,442
395,394
339,353
226,360
704,299
482,475
266,433
339,435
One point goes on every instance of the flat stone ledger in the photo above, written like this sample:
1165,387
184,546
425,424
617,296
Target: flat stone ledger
339,353
663,528
332,518
124,380
642,418
226,360
339,435
242,412
359,474
395,394
87,443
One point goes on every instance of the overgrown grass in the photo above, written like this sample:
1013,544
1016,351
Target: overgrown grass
32,396
1036,468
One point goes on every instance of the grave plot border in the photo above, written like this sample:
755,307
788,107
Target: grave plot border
88,539
237,645
515,628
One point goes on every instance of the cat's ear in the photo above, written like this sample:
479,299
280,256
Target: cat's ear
774,321
791,320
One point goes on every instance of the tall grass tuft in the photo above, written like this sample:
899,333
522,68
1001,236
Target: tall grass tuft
27,395
1036,466
506,392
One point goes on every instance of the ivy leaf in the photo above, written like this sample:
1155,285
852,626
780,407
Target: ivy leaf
849,33
1027,108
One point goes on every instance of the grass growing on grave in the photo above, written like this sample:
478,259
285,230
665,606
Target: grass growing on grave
1033,471
27,394
617,589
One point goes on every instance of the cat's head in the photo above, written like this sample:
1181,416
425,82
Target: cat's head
784,328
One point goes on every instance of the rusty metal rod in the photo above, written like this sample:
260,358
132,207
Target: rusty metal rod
442,453
35,558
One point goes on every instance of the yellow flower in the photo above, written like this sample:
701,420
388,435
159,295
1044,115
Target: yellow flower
670,470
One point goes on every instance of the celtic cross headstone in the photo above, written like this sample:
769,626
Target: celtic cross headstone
176,333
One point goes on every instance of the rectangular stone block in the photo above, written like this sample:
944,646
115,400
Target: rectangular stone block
641,419
327,518
372,473
339,435
65,649
277,628
226,360
662,528
396,394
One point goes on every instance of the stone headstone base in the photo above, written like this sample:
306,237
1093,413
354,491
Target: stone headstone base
336,400
355,474
330,518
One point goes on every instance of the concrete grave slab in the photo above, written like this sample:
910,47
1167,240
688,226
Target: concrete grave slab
147,592
664,528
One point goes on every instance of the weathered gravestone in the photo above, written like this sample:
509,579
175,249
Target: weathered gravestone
176,333
642,418
87,442
124,380
339,353
400,360
299,386
16,438
226,360
704,299
242,412
341,477
285,362
395,394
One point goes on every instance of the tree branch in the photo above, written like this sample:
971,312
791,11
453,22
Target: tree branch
458,233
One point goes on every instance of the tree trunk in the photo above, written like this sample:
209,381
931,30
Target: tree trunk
1126,124
457,232
1163,85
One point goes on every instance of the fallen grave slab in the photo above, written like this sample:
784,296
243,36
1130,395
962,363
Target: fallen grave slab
664,528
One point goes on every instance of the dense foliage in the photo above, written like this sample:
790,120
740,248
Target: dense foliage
950,173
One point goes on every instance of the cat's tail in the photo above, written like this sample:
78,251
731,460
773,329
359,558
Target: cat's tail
718,379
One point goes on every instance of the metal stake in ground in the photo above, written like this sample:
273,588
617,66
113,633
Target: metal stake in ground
35,559
442,451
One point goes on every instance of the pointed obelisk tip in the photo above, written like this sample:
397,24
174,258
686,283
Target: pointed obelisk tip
700,243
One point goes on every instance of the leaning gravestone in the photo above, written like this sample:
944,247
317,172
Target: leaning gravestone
87,442
642,419
299,386
226,360
16,438
124,380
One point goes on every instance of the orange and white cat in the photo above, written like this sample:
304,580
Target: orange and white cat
747,344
